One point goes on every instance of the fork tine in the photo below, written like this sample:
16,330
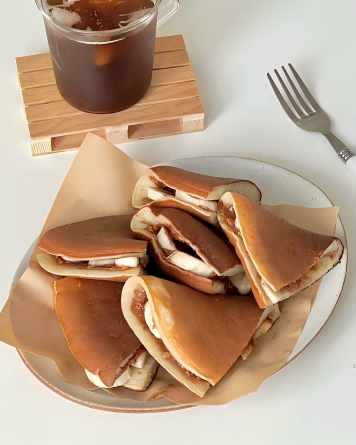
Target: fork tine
306,108
305,90
281,99
290,97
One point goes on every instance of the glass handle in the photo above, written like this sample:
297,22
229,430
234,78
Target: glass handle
166,10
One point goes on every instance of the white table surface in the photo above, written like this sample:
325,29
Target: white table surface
232,44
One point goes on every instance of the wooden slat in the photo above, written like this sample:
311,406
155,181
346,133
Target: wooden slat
136,115
169,76
34,79
170,43
161,60
171,60
43,61
50,94
155,95
33,63
41,95
159,77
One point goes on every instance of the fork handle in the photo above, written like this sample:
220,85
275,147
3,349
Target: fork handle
351,164
343,152
349,159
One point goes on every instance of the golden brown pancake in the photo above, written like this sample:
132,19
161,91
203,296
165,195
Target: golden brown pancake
105,237
171,182
192,235
201,335
69,248
279,258
92,320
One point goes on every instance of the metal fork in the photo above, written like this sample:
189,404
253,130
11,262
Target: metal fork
309,116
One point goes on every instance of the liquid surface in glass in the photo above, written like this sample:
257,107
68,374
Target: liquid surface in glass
97,15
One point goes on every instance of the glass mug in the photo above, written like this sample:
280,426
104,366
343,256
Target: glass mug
105,71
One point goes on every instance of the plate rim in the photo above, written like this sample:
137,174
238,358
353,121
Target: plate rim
95,406
92,405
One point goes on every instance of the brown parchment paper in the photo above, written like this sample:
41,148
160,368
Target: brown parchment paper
100,183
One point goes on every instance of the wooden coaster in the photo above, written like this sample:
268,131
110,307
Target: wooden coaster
172,104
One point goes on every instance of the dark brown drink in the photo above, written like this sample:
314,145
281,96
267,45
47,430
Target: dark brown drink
99,70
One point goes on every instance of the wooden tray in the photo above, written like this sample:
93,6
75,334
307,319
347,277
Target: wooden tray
172,104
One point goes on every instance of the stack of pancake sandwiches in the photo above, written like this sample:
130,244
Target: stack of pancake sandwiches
191,282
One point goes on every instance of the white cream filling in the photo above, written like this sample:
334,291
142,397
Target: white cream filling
129,262
125,376
150,321
324,264
237,223
142,377
120,381
273,296
233,271
141,360
127,359
218,287
165,241
183,260
102,263
210,205
156,194
71,260
240,281
190,264
119,262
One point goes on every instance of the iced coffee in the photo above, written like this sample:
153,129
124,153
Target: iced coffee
102,50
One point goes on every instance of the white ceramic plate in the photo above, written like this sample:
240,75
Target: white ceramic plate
278,186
